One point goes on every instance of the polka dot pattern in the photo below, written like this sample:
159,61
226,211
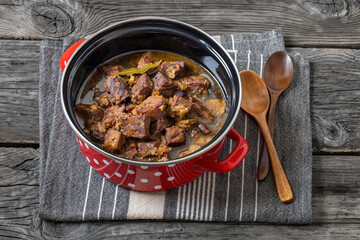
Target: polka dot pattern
143,178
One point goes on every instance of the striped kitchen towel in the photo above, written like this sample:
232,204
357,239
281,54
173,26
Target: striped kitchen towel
70,190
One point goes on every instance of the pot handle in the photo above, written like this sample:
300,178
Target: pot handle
231,161
67,54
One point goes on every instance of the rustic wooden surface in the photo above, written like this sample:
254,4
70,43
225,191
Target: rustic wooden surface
325,31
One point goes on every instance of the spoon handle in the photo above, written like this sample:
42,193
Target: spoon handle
263,165
281,182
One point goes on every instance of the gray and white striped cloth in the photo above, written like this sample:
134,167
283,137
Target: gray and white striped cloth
70,190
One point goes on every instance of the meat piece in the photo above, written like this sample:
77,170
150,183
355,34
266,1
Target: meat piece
113,140
130,151
90,113
195,84
205,129
143,61
163,84
96,131
200,110
104,99
216,106
112,114
147,149
146,59
161,124
129,107
119,120
203,112
141,89
136,126
187,124
153,106
116,86
179,107
109,70
175,136
173,69
191,149
179,93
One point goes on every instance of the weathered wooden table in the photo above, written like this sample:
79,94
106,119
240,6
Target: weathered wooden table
326,32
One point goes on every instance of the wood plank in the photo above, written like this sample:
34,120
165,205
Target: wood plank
19,191
171,230
336,195
335,91
19,88
305,23
335,98
336,189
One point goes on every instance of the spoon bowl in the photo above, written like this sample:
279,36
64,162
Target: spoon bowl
255,98
278,71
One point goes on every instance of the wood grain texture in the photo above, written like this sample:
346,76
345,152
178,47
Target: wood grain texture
19,191
336,212
335,108
335,98
19,88
305,23
171,230
335,91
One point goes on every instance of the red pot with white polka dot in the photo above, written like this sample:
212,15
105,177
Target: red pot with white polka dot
170,175
149,33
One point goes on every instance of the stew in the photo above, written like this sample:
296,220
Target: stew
151,106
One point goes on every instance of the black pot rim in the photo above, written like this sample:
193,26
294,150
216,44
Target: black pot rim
217,139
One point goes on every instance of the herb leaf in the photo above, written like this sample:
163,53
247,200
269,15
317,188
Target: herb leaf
142,70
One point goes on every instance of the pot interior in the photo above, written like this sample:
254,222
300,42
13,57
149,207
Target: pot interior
153,34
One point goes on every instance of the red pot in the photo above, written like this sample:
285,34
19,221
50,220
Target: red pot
156,34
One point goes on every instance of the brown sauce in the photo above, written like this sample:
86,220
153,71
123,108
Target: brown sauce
188,83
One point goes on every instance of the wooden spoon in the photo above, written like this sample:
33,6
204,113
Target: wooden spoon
255,101
278,73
